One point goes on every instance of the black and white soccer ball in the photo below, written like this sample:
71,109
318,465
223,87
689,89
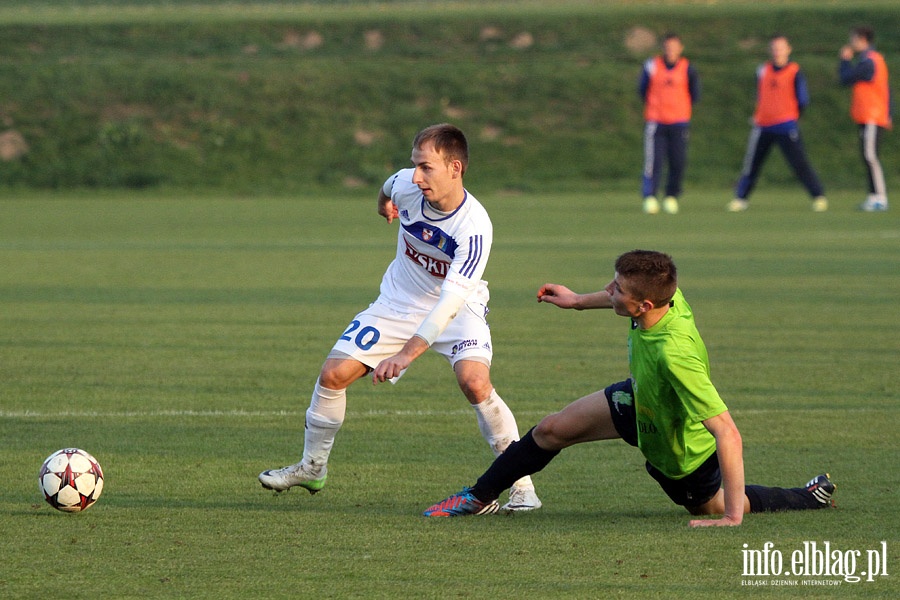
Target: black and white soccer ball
71,480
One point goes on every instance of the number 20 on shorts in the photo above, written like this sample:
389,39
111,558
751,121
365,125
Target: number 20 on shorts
365,338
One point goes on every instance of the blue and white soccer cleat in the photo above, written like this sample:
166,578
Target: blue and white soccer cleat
874,203
461,504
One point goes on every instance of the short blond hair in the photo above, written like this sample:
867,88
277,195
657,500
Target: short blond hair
449,141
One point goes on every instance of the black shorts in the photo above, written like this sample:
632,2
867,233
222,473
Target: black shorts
696,488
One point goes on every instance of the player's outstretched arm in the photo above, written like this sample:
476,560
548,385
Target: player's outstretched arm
563,297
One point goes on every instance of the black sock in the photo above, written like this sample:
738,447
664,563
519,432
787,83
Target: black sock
519,459
771,499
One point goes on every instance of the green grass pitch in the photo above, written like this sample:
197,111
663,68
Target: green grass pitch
177,339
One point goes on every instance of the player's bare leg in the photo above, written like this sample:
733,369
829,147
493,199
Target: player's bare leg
586,420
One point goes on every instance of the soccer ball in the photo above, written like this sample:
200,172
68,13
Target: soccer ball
71,480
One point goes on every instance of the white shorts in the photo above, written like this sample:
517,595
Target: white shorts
380,332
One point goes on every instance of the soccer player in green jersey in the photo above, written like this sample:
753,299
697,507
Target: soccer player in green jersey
668,408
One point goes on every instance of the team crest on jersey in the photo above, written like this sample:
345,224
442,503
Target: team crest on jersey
433,236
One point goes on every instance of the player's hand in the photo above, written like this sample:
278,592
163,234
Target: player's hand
388,210
723,522
846,53
390,368
556,294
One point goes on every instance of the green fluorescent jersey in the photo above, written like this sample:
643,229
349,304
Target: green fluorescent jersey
673,392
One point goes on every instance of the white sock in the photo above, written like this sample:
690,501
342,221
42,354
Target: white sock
498,426
324,418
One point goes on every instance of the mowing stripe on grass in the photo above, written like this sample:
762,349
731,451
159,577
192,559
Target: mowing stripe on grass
130,414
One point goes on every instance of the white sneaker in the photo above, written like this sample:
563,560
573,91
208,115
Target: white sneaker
737,205
300,474
874,203
670,205
651,205
522,499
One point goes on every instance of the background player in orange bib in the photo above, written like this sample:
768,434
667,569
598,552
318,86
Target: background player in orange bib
781,96
870,107
669,87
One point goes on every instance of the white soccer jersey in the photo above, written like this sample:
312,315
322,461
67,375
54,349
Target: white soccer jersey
435,250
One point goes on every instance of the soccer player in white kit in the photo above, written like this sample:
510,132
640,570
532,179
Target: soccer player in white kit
432,296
